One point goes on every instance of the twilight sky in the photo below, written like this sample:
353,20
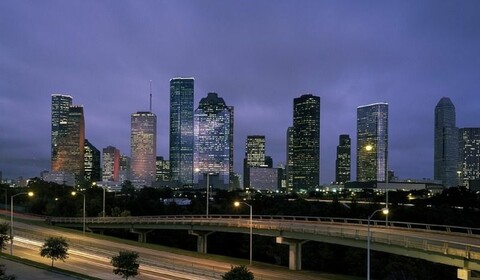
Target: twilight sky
257,55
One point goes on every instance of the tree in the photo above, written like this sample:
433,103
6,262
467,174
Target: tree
125,264
3,275
4,235
238,273
55,248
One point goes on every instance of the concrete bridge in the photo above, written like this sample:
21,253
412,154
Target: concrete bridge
454,246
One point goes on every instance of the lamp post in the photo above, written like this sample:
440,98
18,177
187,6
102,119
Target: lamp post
103,211
237,204
74,194
385,212
11,217
208,192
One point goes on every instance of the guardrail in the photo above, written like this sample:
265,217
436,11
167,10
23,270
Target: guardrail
162,219
439,239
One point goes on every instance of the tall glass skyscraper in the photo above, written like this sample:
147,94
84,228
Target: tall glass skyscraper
305,169
143,148
213,134
372,142
446,143
68,137
181,130
254,156
469,157
343,161
60,109
92,162
111,164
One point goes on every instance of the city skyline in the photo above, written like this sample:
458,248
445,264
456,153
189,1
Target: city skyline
258,56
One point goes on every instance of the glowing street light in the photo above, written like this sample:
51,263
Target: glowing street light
385,212
237,204
11,217
74,194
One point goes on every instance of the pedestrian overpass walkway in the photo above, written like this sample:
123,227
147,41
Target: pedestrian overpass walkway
454,246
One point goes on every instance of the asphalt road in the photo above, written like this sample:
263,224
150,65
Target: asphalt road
91,256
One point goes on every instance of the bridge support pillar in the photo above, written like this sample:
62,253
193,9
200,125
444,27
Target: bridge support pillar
465,274
142,234
201,239
295,251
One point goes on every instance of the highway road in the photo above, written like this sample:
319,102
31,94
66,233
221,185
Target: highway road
91,256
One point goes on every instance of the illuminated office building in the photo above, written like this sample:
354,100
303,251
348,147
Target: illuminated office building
92,163
254,156
213,133
446,143
143,148
343,161
163,170
305,158
60,109
289,157
372,142
111,164
181,130
469,155
68,137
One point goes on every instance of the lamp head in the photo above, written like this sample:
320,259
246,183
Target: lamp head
30,193
236,203
74,193
385,211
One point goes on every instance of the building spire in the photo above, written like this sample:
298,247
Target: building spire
150,96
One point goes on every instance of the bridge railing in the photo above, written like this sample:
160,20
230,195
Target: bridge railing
302,219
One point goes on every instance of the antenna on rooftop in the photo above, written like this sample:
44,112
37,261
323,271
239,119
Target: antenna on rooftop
150,96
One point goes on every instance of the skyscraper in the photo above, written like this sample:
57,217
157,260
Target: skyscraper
92,162
163,170
343,161
372,142
143,148
306,143
60,108
213,139
446,143
289,157
181,130
68,137
469,156
111,164
254,156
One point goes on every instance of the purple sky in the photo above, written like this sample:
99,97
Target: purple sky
257,55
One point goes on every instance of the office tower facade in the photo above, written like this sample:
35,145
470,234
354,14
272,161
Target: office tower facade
60,109
163,170
143,148
343,161
263,178
372,142
254,156
469,155
125,170
446,143
306,143
213,139
111,164
70,145
289,158
92,163
181,130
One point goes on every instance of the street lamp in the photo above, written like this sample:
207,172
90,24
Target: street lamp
237,204
385,212
11,218
74,194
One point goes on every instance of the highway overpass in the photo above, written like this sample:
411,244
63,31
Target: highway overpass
454,246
